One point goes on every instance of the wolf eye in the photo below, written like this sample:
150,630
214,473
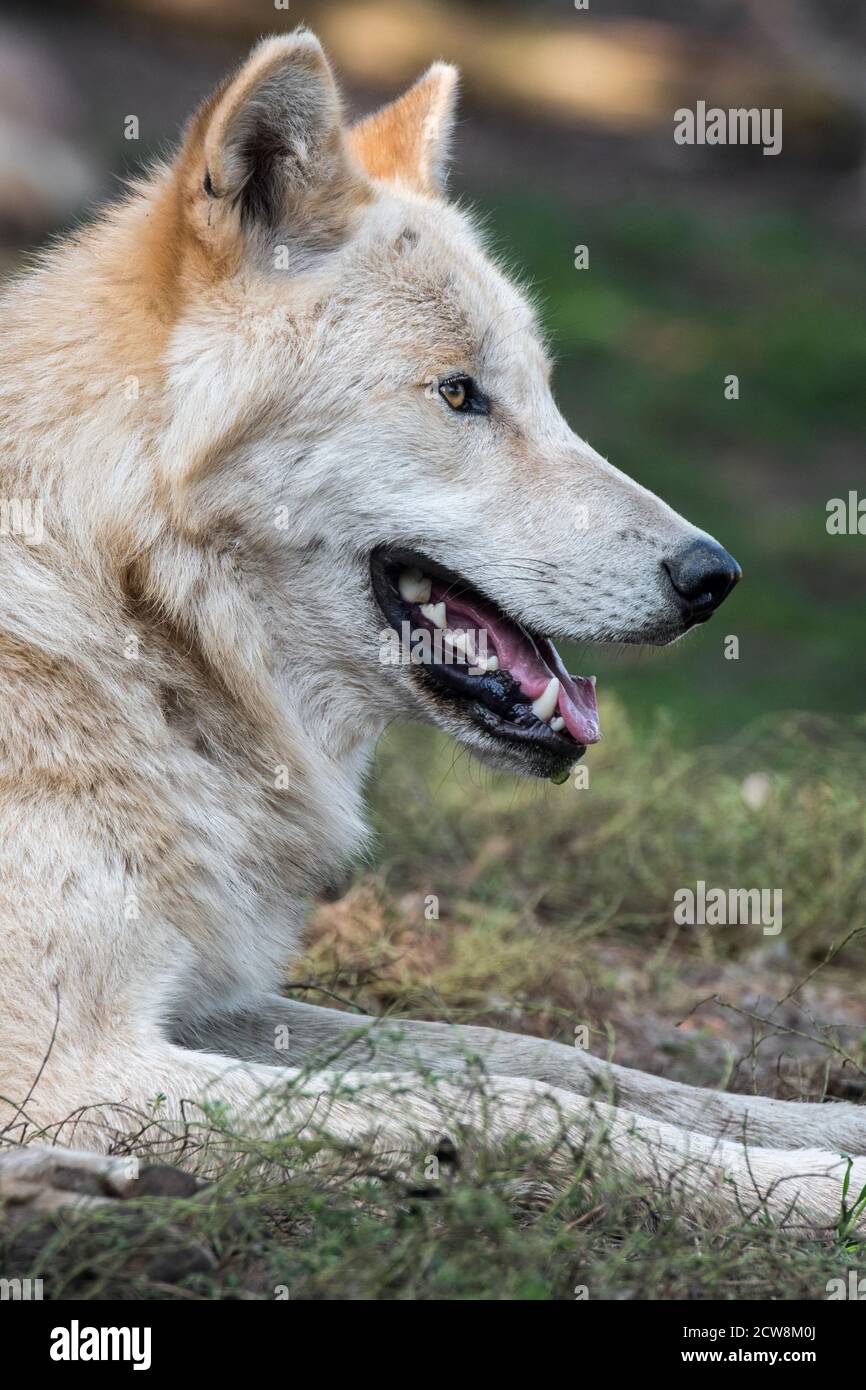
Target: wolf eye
455,393
461,393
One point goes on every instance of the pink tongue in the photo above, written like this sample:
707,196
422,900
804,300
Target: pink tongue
532,670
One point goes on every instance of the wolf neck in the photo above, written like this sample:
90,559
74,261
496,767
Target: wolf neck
80,387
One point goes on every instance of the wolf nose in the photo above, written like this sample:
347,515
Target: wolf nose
703,574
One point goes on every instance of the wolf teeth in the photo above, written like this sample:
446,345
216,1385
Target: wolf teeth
435,614
414,586
557,724
545,705
481,665
461,642
464,642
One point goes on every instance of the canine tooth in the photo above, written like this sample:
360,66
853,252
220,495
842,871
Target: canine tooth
435,613
545,705
414,586
557,723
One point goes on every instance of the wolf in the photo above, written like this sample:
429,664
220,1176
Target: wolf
275,402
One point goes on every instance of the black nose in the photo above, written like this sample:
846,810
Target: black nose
703,575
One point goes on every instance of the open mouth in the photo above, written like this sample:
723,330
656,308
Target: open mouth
509,681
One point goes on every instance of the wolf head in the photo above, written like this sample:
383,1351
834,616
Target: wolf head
358,414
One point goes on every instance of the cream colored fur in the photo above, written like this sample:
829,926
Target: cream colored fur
221,394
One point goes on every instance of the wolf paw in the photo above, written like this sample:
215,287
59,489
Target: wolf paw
43,1179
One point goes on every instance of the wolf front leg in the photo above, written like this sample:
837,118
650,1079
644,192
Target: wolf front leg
396,1118
273,1028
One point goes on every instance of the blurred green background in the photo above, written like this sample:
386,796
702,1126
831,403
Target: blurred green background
702,261
678,297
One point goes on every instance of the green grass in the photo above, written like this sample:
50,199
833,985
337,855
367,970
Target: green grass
654,817
347,1234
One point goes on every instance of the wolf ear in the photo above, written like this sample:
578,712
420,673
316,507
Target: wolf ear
268,149
409,140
